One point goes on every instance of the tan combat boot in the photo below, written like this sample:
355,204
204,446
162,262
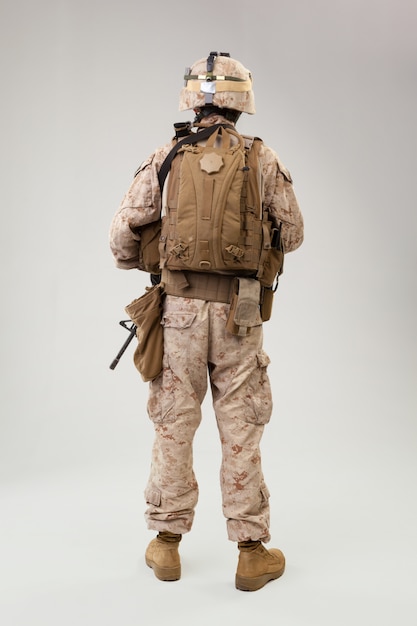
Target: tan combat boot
163,557
257,565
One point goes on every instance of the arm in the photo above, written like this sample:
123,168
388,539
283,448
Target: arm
141,205
281,201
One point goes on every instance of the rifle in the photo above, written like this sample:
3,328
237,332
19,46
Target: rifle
132,331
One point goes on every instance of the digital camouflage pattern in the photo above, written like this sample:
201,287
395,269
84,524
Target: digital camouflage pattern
195,335
228,94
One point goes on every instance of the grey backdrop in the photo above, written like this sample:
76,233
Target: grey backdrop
89,89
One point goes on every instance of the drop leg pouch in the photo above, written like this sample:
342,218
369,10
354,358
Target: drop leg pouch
146,313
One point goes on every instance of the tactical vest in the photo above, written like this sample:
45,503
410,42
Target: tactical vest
213,217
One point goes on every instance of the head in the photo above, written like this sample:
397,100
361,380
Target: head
218,85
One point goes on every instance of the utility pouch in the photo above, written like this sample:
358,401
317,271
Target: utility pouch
149,247
274,262
266,303
146,313
244,309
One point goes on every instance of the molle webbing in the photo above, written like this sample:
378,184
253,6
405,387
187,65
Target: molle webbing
213,287
215,221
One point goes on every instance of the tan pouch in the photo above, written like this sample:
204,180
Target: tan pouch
244,308
230,324
266,303
146,313
273,267
149,247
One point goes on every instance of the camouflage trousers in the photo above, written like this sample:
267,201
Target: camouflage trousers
198,348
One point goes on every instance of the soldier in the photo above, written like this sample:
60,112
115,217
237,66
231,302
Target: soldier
198,347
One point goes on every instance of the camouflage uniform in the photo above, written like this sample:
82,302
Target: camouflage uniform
197,347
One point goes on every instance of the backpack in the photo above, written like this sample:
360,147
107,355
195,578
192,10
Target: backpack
215,221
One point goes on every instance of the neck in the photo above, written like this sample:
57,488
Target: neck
213,119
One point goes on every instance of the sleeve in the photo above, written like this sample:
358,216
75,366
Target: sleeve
141,205
281,201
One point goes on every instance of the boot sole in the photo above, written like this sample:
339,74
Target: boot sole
253,584
164,573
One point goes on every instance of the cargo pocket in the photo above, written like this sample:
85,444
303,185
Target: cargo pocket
165,390
180,321
153,497
258,397
177,338
161,400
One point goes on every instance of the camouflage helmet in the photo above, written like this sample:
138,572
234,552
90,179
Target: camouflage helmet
220,81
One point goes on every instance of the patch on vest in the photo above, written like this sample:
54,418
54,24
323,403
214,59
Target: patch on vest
211,162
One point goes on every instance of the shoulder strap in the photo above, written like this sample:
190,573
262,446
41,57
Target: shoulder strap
190,139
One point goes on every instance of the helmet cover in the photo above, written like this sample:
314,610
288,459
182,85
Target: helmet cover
220,81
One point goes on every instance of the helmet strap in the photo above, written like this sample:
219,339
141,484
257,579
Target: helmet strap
230,114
